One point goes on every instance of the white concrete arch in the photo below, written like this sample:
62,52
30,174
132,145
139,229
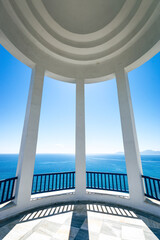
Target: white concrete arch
80,54
124,41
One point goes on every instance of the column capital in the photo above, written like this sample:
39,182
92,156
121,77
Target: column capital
120,71
80,81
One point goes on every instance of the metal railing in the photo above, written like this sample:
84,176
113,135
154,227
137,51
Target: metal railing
50,182
7,189
107,181
152,187
95,180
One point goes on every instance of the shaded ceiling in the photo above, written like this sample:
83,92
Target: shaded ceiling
83,16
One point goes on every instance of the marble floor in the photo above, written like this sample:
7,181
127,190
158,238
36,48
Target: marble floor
81,221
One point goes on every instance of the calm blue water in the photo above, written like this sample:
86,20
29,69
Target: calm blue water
60,163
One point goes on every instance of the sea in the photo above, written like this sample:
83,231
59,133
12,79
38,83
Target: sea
49,163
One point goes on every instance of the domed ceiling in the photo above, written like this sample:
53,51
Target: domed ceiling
83,16
81,38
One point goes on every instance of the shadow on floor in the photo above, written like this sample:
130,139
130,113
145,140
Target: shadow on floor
79,223
79,227
101,208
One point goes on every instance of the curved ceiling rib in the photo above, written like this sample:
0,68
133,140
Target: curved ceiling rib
95,54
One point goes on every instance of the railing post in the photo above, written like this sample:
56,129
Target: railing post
29,138
80,183
132,155
7,189
152,187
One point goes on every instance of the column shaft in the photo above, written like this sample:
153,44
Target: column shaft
132,155
80,186
27,153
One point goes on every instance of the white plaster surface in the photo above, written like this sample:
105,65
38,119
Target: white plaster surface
131,148
80,159
27,153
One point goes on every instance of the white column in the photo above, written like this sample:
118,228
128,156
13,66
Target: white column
131,148
27,153
80,183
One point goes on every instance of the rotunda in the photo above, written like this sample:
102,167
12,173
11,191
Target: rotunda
80,42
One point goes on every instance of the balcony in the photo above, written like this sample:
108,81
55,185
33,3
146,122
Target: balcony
53,182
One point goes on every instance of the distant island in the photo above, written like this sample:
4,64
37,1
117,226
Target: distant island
146,152
119,153
150,152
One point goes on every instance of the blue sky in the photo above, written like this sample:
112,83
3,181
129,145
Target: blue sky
57,120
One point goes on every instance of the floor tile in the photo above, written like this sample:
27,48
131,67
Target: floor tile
132,233
81,224
38,236
107,237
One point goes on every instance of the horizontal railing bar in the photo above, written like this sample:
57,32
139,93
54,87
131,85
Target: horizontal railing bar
107,173
7,179
150,178
108,189
147,195
53,190
7,200
43,174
